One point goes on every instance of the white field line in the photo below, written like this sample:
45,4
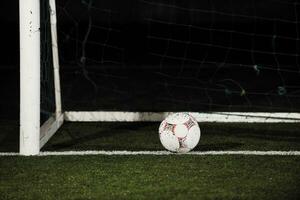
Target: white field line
131,153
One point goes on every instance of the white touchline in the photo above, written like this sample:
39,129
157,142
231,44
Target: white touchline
198,153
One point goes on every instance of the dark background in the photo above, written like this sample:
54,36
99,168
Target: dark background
145,73
131,13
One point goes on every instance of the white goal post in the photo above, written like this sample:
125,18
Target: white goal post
33,135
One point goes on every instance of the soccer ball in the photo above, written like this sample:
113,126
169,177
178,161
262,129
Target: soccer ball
179,132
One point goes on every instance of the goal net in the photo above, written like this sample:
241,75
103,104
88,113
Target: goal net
228,61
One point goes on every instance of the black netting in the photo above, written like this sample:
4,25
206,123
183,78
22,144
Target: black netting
158,55
47,76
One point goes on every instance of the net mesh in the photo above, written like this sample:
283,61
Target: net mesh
158,55
47,76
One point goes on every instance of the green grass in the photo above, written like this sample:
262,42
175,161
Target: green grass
149,176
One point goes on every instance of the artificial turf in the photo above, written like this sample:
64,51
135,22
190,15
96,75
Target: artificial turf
150,176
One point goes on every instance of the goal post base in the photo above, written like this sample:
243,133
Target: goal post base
238,117
49,128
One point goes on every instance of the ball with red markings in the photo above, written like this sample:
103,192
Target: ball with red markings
179,132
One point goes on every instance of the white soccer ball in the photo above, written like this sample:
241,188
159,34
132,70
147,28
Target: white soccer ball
179,132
